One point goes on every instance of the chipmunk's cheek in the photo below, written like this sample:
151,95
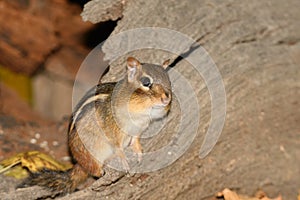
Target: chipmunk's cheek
140,106
163,100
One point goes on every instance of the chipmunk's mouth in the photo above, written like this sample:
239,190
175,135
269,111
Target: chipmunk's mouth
162,105
159,106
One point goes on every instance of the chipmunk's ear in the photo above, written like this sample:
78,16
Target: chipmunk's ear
166,64
133,68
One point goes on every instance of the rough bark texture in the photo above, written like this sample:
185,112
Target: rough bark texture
109,10
256,48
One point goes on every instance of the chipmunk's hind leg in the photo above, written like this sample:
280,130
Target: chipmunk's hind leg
118,155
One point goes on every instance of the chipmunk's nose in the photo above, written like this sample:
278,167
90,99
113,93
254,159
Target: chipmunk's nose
166,98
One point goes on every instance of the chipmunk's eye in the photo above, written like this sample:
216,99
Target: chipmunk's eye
146,82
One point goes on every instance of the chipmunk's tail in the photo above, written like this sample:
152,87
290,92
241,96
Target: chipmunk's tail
59,182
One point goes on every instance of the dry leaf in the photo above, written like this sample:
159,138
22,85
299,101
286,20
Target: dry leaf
227,194
33,161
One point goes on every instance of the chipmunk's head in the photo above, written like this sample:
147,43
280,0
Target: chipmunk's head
151,88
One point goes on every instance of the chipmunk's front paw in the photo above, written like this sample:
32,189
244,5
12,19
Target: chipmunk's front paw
139,157
137,148
139,154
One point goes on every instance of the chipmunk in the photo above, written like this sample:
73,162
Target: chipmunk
109,118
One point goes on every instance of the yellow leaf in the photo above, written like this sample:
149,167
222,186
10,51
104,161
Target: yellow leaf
33,160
